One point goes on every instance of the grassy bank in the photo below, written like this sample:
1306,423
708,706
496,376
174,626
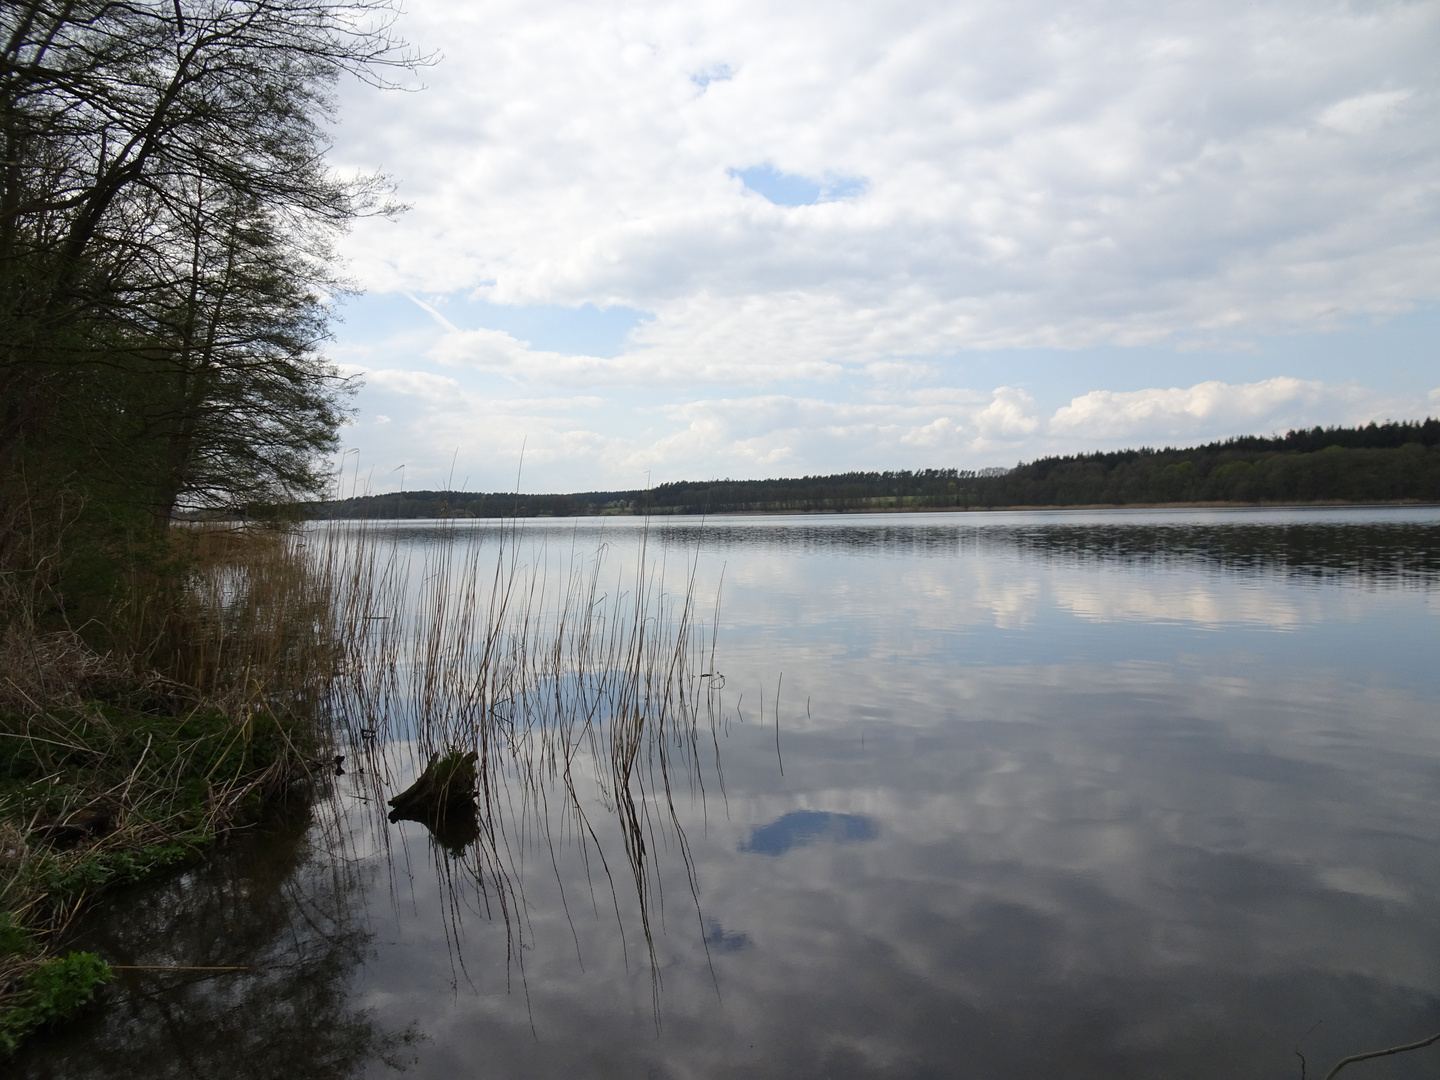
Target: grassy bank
116,764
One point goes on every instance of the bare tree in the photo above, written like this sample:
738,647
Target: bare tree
166,212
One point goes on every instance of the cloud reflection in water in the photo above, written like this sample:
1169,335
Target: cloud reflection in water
801,827
1159,838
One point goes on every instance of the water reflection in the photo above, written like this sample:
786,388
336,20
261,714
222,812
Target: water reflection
452,828
291,918
1384,546
573,702
720,940
1383,553
1054,803
801,827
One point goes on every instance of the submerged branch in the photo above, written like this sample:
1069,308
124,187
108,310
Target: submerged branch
1353,1058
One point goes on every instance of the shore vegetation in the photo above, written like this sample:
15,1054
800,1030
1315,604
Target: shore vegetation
115,765
167,217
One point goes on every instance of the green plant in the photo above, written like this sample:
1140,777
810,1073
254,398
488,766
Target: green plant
53,990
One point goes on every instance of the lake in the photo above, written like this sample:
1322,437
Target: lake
1082,794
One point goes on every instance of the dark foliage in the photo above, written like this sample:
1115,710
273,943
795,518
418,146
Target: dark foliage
166,215
1378,462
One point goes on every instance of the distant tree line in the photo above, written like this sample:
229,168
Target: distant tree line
1378,462
466,504
1375,463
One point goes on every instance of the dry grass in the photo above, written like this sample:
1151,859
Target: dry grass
116,764
254,623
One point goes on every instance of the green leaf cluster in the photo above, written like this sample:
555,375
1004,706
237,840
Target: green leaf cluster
53,990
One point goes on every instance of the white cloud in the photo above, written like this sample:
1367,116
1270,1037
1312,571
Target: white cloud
1364,112
1113,598
500,352
1035,173
1209,407
495,350
800,433
418,384
423,306
580,441
1362,881
1028,175
1011,414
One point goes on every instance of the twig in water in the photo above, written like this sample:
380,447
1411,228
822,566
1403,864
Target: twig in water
1382,1053
171,967
1303,1037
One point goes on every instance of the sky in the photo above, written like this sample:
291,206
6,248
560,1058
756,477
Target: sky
660,241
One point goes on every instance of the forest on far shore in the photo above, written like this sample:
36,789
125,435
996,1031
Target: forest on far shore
1391,462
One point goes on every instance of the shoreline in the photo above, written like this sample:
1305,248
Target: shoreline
120,762
663,512
1332,504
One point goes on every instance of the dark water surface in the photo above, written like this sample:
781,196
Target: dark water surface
1100,794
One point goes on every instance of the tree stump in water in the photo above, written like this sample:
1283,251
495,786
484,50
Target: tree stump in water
447,784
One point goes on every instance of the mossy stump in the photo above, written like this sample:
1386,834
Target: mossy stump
447,788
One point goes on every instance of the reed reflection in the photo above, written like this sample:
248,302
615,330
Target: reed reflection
1384,547
561,708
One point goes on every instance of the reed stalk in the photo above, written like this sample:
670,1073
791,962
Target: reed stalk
578,686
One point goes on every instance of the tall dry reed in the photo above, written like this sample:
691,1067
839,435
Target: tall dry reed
116,763
581,686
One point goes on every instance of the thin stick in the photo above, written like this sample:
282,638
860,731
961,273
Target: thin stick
777,723
171,967
1382,1053
135,771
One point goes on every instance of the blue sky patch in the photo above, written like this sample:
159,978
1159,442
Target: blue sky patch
586,330
791,189
723,941
718,73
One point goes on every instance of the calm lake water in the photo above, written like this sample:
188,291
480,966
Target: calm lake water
1080,794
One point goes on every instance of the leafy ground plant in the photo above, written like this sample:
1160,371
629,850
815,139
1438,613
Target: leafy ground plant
51,990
